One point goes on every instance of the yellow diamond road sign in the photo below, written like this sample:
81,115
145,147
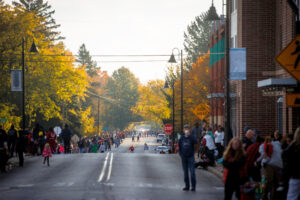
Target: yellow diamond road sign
201,111
289,58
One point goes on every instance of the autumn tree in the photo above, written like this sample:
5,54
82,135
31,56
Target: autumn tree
51,81
152,104
44,11
196,39
195,91
122,89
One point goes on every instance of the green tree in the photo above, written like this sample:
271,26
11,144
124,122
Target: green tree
85,59
196,39
44,11
123,89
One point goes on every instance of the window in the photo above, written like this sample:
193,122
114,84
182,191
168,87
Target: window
233,5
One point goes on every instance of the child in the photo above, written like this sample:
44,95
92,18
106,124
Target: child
47,153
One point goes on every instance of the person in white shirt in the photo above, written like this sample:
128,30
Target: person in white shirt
219,141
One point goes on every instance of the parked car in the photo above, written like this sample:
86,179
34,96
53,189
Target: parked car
160,137
162,150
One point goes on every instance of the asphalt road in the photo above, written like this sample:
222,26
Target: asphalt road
114,175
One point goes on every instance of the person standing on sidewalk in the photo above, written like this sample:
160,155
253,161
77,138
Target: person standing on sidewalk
219,140
11,140
186,151
3,149
234,160
291,166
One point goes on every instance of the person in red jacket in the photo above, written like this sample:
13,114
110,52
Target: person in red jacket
234,160
51,139
131,149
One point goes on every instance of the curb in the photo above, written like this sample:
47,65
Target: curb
216,172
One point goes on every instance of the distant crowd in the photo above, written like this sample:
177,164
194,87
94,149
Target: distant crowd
38,140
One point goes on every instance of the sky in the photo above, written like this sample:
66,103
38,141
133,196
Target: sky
128,27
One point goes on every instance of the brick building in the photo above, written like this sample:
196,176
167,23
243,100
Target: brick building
264,28
217,72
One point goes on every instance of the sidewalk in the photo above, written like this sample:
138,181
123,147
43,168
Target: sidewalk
216,170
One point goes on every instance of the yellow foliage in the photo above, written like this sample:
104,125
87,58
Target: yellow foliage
152,104
196,88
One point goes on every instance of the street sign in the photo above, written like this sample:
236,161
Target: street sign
289,58
168,129
57,130
293,100
201,111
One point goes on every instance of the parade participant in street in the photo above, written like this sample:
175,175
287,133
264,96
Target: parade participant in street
186,151
146,147
47,153
292,166
131,149
234,159
51,139
247,139
66,135
132,138
11,140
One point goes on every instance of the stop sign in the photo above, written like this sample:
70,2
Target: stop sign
168,129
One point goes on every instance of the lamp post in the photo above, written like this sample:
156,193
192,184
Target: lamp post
173,112
213,16
33,49
173,60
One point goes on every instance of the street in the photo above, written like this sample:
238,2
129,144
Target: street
114,175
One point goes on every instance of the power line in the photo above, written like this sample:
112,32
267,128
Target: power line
99,61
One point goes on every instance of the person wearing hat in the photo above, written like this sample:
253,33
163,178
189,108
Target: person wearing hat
186,151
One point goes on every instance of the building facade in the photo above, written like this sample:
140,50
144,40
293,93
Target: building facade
264,28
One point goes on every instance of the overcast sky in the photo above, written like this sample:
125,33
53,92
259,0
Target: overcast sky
118,27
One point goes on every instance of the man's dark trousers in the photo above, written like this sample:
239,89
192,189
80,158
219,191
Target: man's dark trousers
188,164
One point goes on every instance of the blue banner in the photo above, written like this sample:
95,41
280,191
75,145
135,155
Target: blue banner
238,64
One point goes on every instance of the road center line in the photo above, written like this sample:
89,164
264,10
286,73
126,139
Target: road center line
110,166
103,168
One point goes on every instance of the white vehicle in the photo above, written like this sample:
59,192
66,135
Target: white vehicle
162,150
160,137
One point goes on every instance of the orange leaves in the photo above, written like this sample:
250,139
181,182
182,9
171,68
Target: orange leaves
196,88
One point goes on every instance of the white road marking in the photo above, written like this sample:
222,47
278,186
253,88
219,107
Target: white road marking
219,188
103,169
25,185
110,166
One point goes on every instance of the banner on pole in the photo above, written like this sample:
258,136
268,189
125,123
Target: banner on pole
16,80
238,64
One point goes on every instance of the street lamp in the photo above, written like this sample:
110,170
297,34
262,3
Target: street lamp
33,49
173,112
211,16
173,60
